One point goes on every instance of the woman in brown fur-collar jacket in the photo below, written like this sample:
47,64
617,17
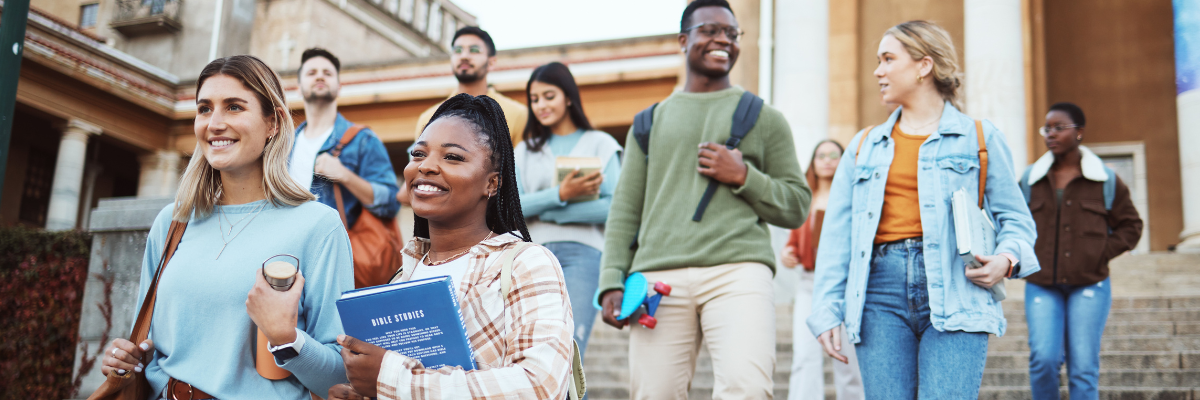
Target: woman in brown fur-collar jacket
1085,217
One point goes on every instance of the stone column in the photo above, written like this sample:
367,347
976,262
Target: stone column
68,175
159,175
801,88
994,58
1187,82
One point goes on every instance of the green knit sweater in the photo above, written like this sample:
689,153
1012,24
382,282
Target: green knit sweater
656,197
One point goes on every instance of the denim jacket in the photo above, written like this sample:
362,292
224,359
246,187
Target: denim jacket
947,161
367,158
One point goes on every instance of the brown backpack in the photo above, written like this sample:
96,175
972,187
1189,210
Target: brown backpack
376,241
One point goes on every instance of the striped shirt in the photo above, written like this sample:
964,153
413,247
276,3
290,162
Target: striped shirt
522,345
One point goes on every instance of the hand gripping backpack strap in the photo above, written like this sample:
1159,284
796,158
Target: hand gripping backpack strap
983,161
133,385
744,118
576,382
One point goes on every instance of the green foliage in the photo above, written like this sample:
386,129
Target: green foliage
42,275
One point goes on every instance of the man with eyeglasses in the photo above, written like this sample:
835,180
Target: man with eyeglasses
472,54
720,266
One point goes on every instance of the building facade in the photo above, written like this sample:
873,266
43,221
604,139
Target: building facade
105,103
1116,59
106,95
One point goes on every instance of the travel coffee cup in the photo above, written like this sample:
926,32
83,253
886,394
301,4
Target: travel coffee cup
280,273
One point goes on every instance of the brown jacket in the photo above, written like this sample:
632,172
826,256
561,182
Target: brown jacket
1077,237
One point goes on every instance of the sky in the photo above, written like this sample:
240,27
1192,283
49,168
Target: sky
515,24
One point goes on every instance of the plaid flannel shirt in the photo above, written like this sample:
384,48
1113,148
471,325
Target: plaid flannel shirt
522,346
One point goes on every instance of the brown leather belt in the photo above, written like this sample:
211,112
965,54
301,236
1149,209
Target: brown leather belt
180,390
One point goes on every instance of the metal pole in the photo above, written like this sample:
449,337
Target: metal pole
12,44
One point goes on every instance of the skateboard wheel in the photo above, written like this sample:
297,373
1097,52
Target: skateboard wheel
662,288
647,321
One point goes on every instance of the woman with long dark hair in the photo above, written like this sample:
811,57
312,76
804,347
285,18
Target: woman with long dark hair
918,317
468,214
567,216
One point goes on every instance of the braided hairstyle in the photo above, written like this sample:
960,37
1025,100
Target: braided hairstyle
485,117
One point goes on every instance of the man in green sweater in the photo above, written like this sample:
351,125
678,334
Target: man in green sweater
721,267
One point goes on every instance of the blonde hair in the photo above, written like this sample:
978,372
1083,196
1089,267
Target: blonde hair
200,187
926,39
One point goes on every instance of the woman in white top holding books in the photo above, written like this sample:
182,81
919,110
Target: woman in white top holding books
567,172
468,213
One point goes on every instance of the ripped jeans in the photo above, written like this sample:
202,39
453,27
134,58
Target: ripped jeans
1066,323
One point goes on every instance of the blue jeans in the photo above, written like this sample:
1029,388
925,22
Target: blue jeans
1066,322
902,356
581,268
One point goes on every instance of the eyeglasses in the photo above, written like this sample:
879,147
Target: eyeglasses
830,155
1049,130
711,29
472,49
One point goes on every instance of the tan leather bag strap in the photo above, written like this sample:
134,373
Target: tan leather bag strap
141,326
866,132
983,160
337,152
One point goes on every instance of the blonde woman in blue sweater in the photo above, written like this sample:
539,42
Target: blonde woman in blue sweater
241,208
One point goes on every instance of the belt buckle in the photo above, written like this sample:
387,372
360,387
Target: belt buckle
191,390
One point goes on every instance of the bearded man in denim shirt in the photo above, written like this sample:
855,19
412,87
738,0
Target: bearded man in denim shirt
363,169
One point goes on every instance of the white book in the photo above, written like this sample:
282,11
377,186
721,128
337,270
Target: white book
975,234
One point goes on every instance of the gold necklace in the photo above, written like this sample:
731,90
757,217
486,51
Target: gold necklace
239,232
425,260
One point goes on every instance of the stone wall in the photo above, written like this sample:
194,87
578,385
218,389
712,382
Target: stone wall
119,228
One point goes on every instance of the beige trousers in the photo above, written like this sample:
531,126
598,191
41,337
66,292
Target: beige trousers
731,307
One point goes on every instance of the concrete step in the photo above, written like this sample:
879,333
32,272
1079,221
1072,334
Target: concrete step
1132,314
1120,328
1106,393
1114,343
1150,350
1109,360
1162,378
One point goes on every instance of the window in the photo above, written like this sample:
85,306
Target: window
87,15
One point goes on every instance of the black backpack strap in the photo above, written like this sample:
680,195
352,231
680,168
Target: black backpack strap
642,122
744,118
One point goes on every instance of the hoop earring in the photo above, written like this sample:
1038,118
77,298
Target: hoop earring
1079,138
920,78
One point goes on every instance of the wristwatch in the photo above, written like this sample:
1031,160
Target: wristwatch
287,351
284,353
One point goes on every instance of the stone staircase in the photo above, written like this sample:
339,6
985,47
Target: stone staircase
1151,345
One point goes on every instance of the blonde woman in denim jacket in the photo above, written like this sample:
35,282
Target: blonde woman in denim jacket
919,320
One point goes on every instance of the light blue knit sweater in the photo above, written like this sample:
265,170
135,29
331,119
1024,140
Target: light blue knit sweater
200,328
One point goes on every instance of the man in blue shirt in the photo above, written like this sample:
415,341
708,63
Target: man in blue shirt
363,170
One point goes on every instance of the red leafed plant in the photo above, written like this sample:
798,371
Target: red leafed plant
42,276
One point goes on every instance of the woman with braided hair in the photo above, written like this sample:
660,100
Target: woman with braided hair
463,190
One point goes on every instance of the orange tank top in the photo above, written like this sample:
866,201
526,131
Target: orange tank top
901,214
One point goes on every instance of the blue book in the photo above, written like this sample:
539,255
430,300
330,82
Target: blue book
418,319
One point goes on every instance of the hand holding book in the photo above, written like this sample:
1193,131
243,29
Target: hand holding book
992,272
579,178
363,362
